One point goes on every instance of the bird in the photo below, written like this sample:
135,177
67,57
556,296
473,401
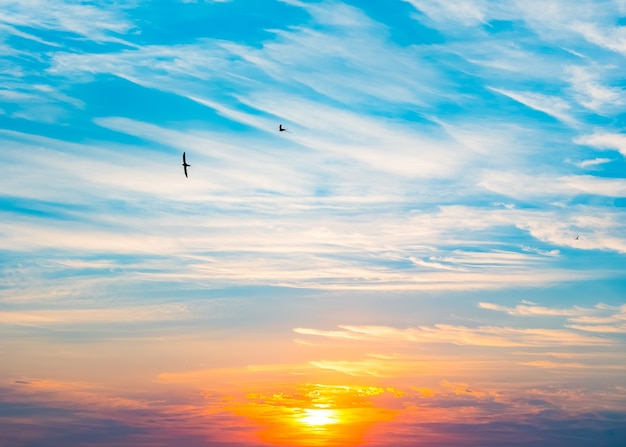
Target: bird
282,129
577,237
185,164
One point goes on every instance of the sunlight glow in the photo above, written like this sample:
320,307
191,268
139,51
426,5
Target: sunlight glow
317,417
316,414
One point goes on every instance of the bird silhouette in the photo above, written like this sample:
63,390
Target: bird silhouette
282,129
577,237
185,164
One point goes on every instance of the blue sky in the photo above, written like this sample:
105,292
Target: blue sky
450,197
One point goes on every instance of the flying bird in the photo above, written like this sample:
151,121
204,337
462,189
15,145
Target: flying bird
577,237
282,129
185,164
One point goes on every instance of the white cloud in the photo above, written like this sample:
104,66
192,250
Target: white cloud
345,134
15,32
591,93
554,106
589,163
488,336
84,20
609,37
599,319
604,140
532,310
464,12
554,252
432,264
525,186
597,232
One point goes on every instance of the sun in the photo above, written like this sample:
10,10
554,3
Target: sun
315,415
319,417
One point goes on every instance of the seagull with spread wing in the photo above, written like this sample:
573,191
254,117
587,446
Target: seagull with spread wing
185,165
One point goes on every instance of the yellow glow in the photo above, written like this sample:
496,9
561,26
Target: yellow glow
319,417
315,415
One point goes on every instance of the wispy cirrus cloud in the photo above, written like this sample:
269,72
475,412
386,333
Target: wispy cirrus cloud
604,141
599,328
91,316
466,12
590,163
592,93
481,336
553,106
530,309
384,254
609,37
522,185
84,20
593,319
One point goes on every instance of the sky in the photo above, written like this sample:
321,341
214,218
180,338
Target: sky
433,254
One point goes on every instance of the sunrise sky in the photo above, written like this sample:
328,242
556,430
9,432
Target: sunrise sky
433,255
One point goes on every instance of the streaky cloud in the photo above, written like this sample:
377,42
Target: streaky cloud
488,336
604,141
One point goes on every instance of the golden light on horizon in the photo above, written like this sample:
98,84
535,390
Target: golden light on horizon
315,414
319,417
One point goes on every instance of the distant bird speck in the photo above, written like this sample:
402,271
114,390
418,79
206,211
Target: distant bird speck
577,237
282,129
185,164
